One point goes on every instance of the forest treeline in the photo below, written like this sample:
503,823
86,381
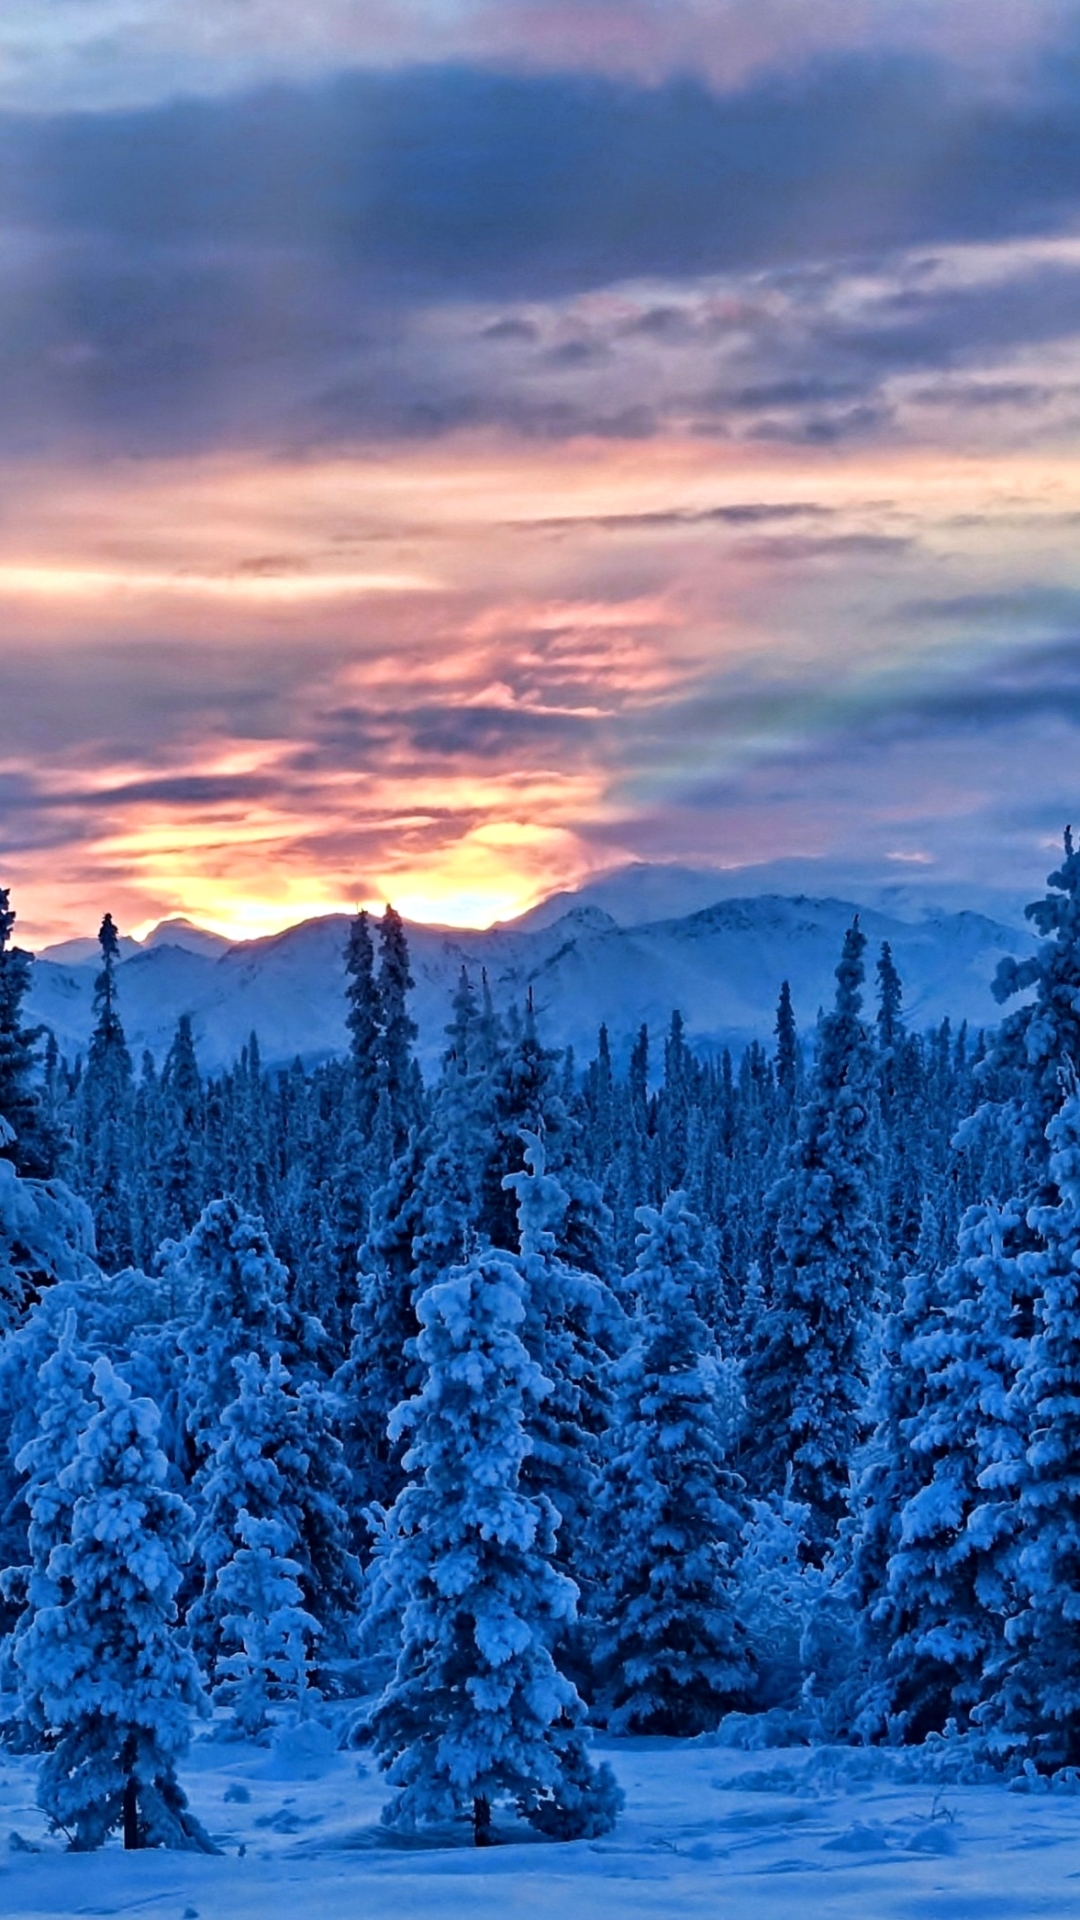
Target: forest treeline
543,1394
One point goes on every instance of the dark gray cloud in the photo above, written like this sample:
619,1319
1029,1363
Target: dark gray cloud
243,269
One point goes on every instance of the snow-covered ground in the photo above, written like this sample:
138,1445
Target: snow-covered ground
706,1831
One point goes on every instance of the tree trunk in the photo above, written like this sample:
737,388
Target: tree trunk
131,1813
481,1821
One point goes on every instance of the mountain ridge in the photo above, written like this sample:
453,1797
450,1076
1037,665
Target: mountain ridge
720,966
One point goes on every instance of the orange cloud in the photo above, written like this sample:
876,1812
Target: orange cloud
452,675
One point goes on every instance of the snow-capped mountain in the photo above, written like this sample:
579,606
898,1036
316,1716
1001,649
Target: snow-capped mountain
721,967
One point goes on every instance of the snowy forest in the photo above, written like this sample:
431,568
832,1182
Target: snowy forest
477,1420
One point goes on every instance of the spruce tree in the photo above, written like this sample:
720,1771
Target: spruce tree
477,1713
61,1409
400,1093
807,1376
229,1272
364,1021
787,1048
1037,1704
380,1369
117,1687
950,1581
670,1651
276,1458
31,1143
180,1173
573,1326
104,1116
1033,1041
267,1636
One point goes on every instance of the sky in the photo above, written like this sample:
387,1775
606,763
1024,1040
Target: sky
449,448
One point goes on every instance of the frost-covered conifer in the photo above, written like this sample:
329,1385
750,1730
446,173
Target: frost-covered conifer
267,1635
950,1583
104,1114
400,1090
61,1409
277,1458
116,1685
1034,1040
1038,1700
776,1592
31,1142
886,1476
807,1374
787,1067
477,1713
380,1369
669,1650
573,1325
236,1284
455,1143
364,1021
46,1236
180,1170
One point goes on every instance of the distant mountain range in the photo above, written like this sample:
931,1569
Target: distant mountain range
604,954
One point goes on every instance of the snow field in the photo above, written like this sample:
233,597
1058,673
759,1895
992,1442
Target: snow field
825,1834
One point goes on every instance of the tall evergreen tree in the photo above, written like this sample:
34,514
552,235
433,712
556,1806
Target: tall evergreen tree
670,1651
477,1712
787,1048
1037,1704
228,1271
573,1325
104,1114
181,1175
117,1687
364,1021
950,1581
32,1143
399,1084
807,1377
61,1410
267,1636
277,1458
1034,1040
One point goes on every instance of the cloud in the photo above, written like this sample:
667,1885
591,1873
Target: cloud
422,251
104,53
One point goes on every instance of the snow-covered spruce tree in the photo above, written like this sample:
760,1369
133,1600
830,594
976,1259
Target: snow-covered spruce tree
1032,1042
573,1326
61,1408
103,1116
381,1369
32,1142
1036,1707
806,1376
477,1714
228,1270
788,1062
117,1686
267,1635
527,1094
950,1581
364,1021
278,1458
46,1236
179,1173
400,1089
887,1474
669,1650
455,1143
